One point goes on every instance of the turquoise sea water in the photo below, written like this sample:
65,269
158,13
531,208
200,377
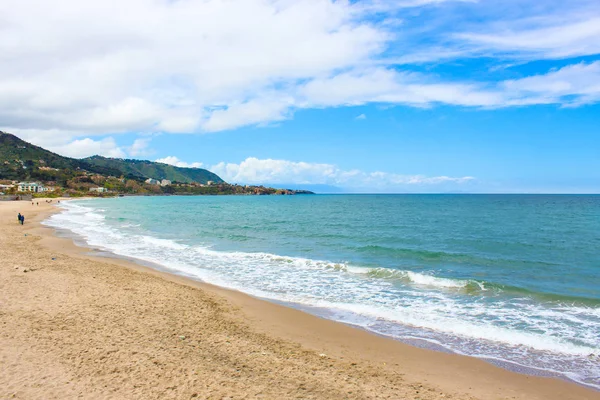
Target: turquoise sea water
514,279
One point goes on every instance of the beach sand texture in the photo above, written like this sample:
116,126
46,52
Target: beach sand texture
73,325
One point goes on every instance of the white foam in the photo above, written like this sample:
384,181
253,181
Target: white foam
429,280
415,278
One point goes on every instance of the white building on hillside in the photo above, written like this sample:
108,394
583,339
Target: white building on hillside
99,189
152,181
165,182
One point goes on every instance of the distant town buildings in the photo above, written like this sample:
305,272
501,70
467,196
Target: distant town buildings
164,182
99,189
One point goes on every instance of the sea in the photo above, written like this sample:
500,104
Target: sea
512,279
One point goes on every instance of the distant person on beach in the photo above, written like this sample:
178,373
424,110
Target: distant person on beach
19,217
22,219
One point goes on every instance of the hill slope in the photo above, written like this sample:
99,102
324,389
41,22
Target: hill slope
149,169
13,149
20,160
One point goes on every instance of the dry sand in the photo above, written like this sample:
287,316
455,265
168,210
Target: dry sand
74,325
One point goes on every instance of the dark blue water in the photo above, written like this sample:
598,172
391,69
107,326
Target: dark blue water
514,278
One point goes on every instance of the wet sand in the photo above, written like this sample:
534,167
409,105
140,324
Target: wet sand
75,325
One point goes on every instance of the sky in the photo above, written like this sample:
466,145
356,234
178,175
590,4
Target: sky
404,96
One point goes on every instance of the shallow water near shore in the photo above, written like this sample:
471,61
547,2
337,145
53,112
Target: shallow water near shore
510,278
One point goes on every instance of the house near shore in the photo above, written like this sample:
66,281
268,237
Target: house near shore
28,187
33,187
165,182
152,181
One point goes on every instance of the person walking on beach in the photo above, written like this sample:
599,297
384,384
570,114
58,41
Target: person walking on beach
19,217
22,219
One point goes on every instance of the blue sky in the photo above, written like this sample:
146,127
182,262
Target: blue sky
369,96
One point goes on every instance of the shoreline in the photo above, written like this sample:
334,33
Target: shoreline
317,312
349,352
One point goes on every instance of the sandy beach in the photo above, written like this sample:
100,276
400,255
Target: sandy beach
76,325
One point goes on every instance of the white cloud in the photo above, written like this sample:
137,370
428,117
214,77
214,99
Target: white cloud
260,110
579,36
202,66
391,5
178,66
361,116
43,137
172,160
140,147
257,171
88,147
573,84
497,32
380,85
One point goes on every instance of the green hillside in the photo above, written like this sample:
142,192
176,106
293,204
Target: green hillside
20,160
13,150
149,169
